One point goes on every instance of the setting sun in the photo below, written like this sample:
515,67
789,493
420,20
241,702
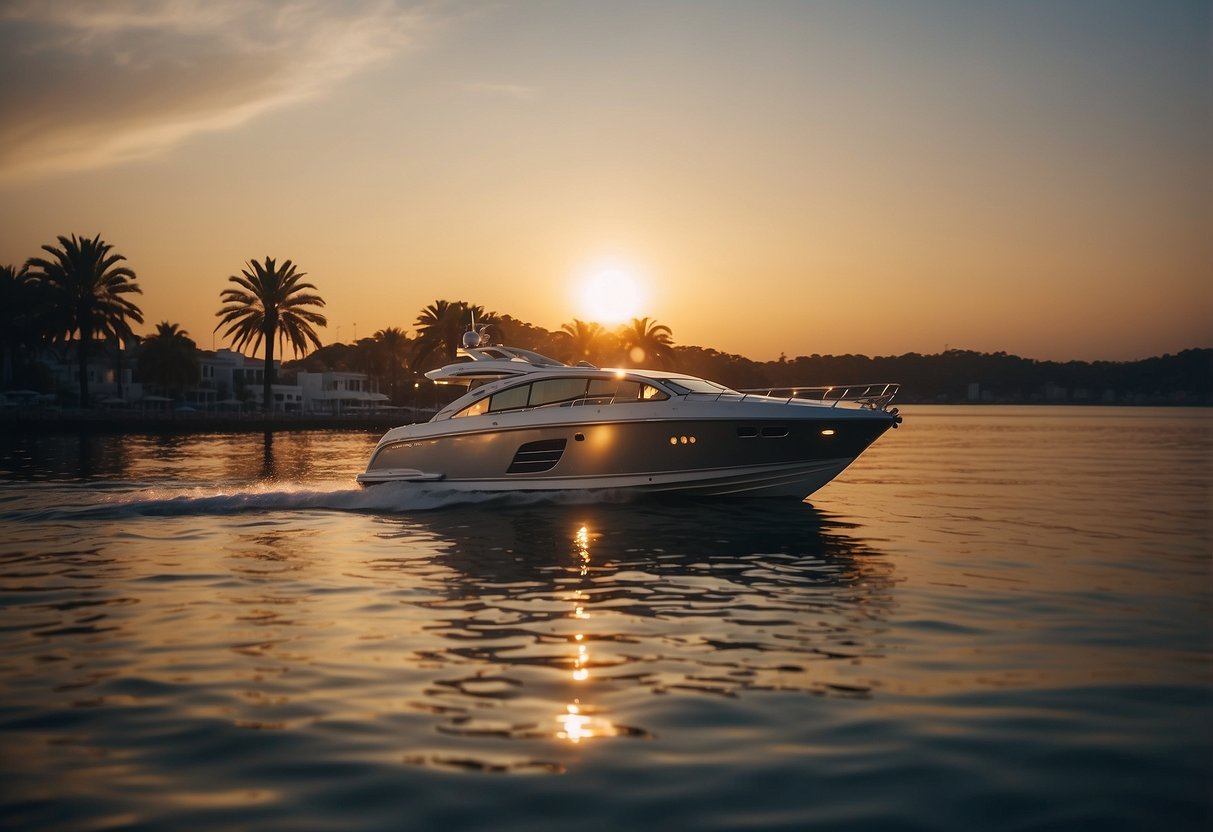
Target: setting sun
610,295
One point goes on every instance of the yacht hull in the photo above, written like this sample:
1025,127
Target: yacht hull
791,480
757,456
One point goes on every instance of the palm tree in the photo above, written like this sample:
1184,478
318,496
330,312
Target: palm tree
22,312
119,335
393,347
87,288
366,357
270,304
441,325
647,342
169,358
585,341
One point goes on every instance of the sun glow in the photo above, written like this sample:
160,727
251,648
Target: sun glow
611,295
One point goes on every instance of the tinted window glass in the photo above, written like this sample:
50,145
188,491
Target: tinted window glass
628,391
557,391
602,388
511,399
473,409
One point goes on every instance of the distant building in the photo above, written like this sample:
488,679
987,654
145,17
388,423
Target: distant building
338,392
228,377
110,373
288,398
228,380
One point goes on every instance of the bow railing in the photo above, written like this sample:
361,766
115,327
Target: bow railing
875,396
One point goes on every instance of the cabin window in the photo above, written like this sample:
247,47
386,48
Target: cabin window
557,391
631,391
512,399
564,391
627,391
474,409
602,388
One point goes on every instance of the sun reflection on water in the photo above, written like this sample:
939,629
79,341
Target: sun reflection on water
576,724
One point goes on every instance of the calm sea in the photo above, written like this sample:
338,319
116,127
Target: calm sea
997,619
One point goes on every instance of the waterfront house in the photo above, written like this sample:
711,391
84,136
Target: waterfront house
335,393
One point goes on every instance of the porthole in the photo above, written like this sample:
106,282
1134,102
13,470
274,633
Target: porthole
774,432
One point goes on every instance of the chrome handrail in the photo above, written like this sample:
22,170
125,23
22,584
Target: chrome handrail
874,396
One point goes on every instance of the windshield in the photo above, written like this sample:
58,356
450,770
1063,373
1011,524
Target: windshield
690,384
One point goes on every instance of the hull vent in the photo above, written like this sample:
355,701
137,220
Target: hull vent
537,457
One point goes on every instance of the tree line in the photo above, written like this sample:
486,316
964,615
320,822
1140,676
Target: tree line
81,293
952,376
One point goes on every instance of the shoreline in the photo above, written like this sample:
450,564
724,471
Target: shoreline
107,423
86,422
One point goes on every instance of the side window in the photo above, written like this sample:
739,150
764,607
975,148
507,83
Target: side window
511,399
474,409
602,388
557,391
631,391
628,391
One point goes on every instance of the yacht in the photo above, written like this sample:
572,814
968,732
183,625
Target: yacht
529,423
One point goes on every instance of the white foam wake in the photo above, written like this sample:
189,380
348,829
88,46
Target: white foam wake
387,498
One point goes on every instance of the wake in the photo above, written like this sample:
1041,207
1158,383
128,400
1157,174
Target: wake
387,498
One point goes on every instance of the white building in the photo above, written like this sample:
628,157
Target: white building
230,379
337,392
107,385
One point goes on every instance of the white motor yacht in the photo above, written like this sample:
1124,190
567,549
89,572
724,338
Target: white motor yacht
530,423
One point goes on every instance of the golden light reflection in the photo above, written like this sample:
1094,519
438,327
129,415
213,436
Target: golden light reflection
580,671
581,542
575,724
600,439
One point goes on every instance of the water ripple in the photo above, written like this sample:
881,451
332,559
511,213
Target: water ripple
1007,638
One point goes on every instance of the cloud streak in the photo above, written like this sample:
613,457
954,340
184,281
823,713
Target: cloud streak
89,85
518,91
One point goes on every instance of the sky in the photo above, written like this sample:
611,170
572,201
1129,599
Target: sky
761,177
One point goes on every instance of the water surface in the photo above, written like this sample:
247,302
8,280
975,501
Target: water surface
998,618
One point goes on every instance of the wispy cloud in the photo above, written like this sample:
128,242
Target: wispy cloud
86,84
508,90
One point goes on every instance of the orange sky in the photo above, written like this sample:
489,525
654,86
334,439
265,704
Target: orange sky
815,177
